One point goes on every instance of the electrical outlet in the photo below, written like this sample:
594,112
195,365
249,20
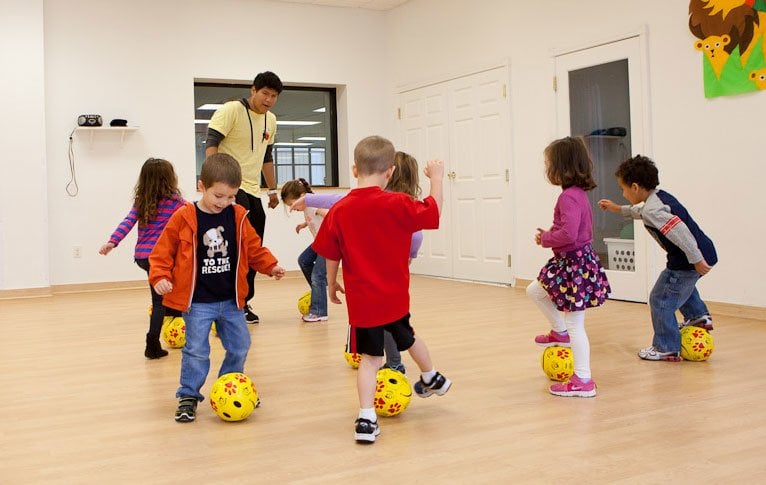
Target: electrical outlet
77,252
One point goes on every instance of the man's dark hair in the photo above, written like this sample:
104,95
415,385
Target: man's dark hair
268,80
639,170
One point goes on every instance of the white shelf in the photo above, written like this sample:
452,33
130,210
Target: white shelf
121,129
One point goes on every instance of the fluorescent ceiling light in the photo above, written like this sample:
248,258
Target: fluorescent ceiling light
201,122
291,144
320,110
209,107
298,123
312,138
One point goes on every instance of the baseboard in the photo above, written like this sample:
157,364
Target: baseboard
716,308
89,288
25,293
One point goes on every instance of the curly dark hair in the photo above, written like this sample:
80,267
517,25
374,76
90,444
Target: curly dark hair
639,170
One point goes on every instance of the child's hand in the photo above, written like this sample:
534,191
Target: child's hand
702,267
299,204
106,248
539,236
278,272
163,286
434,169
303,225
333,287
608,205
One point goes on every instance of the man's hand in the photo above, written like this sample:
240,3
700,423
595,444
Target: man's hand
273,201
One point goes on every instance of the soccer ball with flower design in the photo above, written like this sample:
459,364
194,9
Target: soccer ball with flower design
558,363
696,343
174,331
233,397
352,358
304,303
393,392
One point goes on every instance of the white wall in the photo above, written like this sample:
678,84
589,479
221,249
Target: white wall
23,187
138,60
708,151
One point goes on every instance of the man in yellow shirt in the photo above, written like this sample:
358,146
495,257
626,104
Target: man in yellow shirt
246,130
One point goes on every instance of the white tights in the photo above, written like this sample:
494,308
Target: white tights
571,322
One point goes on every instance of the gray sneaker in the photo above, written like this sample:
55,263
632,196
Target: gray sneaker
703,322
651,353
187,409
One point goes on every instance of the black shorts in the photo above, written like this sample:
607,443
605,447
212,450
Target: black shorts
370,340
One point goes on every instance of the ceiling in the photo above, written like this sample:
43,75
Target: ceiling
368,4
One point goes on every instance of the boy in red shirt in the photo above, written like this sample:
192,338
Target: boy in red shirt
371,230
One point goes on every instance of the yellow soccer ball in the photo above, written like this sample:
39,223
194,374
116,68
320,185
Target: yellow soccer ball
558,363
696,343
353,359
233,397
393,393
304,303
213,330
174,331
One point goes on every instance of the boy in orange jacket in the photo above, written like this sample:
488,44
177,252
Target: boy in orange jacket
200,265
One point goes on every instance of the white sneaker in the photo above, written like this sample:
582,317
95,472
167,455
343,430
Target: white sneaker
314,318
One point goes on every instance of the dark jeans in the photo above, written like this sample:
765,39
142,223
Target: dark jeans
158,310
257,218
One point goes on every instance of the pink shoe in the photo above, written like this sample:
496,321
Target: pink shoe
574,387
553,338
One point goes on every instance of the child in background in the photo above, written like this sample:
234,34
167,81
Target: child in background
156,198
404,180
691,254
371,231
313,266
573,279
200,265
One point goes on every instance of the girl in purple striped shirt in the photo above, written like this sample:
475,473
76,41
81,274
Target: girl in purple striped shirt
156,198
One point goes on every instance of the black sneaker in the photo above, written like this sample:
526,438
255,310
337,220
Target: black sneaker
438,385
187,409
365,430
251,317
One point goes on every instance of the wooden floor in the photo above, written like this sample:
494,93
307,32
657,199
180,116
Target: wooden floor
81,405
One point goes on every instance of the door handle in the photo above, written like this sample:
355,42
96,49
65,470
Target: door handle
451,174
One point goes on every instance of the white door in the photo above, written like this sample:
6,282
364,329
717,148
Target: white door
465,122
424,133
601,96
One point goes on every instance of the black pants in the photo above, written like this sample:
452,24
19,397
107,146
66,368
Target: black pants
158,310
257,218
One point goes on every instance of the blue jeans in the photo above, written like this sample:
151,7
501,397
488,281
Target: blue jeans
314,269
674,290
235,338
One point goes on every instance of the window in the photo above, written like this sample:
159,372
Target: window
306,144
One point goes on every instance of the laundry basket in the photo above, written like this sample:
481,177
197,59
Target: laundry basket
622,256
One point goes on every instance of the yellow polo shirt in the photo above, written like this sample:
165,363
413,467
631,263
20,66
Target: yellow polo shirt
247,146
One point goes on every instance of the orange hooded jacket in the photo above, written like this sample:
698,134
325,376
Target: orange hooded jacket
174,257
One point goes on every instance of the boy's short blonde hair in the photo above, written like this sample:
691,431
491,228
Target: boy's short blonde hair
374,154
223,168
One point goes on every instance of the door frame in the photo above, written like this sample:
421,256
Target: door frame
646,253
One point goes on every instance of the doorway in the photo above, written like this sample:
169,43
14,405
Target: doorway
466,123
600,96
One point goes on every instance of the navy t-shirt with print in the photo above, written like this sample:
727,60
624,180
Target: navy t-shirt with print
216,256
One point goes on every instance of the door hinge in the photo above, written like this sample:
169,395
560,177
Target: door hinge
505,94
398,113
509,260
555,84
507,175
